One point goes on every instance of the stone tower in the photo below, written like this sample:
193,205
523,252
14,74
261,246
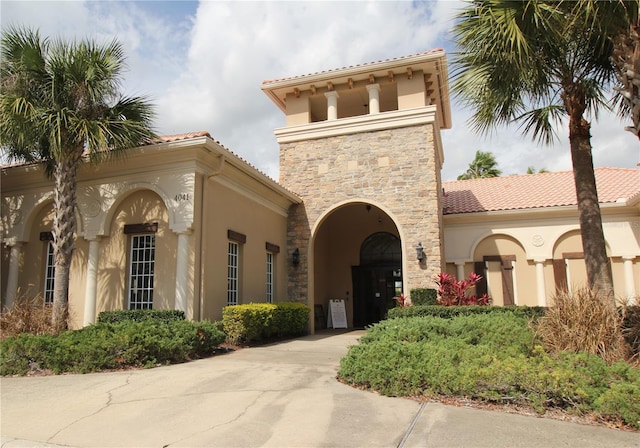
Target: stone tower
362,147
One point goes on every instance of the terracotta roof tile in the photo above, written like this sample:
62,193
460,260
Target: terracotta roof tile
535,190
176,137
435,50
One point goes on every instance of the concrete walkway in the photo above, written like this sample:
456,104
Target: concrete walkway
282,395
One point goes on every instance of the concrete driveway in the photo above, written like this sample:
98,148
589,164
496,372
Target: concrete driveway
281,395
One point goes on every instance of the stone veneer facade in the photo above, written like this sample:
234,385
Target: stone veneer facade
397,168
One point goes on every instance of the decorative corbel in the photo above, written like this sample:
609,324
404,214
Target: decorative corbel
312,87
329,86
350,82
390,74
372,79
409,73
296,92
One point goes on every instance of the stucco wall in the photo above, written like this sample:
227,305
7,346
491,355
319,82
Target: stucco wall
543,238
227,209
141,206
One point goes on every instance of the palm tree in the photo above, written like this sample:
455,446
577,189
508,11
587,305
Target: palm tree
60,103
533,63
532,170
483,165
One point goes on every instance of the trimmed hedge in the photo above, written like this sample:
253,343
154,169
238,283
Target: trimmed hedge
260,321
495,358
113,317
448,312
424,296
110,346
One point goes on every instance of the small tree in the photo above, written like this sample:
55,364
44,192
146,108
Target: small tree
483,166
535,63
60,103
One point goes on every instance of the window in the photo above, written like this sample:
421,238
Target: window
232,274
141,277
269,277
49,274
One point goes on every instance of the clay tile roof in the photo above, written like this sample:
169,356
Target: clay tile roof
540,190
435,50
176,137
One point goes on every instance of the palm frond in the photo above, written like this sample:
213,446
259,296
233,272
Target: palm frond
542,123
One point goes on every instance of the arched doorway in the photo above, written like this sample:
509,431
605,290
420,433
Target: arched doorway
338,243
378,278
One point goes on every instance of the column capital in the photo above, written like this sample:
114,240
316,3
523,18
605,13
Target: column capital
93,238
371,87
182,228
629,257
13,242
331,94
539,260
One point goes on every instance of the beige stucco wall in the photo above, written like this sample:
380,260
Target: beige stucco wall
138,207
227,209
168,184
541,236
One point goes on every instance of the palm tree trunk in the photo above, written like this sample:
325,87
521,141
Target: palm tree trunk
593,243
64,226
626,58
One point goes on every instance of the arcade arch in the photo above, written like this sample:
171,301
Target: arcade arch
357,256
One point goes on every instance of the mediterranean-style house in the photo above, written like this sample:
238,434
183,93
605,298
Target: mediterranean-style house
360,212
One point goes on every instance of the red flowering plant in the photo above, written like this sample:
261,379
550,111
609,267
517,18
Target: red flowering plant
403,301
453,292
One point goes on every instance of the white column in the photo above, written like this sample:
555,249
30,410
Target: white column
92,283
332,104
629,282
182,272
540,286
460,270
12,279
374,98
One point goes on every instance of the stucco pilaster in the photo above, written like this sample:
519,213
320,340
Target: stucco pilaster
183,295
12,279
92,282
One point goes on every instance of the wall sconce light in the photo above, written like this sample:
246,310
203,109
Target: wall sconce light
295,257
420,252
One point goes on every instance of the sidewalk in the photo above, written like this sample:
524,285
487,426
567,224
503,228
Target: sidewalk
282,395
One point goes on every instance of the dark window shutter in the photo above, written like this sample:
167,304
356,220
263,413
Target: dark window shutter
481,286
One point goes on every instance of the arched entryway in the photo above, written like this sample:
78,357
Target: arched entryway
378,278
355,246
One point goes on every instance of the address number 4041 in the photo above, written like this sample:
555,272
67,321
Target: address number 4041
181,197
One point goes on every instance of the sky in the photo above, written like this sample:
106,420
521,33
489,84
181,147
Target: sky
202,64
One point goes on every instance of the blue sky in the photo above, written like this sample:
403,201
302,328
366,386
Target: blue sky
203,62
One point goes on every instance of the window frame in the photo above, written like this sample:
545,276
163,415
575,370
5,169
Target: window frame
233,273
49,273
146,302
270,265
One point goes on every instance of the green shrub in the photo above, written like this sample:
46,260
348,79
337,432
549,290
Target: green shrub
424,296
113,317
290,319
448,312
110,346
494,357
260,321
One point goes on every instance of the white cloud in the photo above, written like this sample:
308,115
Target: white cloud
203,65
